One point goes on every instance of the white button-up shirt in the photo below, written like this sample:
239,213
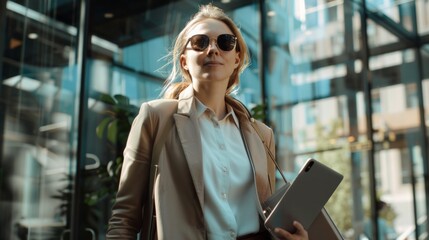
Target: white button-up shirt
230,207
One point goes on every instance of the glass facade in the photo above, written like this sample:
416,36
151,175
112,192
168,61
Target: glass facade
344,82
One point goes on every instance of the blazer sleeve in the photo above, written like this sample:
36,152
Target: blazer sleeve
126,219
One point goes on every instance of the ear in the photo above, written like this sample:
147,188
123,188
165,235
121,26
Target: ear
183,62
237,59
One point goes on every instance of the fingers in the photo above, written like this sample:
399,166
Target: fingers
282,234
300,229
300,234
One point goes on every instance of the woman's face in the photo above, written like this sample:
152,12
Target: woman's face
211,64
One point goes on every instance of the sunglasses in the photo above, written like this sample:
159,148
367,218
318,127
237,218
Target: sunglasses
225,42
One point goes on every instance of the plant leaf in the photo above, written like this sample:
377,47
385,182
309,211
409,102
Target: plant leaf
106,98
122,100
112,131
118,169
99,130
258,112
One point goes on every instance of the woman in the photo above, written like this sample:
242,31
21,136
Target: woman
213,170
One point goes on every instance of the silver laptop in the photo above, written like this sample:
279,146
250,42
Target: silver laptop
304,201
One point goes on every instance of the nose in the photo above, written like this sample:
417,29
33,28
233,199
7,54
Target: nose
213,45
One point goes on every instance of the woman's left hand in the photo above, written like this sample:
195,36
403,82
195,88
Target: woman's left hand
300,234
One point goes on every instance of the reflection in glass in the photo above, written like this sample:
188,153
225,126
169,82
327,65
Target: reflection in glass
422,7
396,120
38,90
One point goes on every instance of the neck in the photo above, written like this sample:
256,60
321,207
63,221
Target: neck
214,98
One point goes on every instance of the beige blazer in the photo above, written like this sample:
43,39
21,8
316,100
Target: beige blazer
179,186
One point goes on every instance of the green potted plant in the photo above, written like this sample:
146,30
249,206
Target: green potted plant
114,128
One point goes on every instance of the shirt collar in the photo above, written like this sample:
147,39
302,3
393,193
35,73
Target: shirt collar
202,109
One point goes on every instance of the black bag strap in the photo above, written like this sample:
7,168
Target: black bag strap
267,150
271,155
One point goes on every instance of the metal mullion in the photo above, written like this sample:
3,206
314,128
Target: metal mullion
78,190
2,101
263,56
350,91
3,38
367,83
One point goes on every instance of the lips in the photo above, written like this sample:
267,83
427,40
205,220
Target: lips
212,63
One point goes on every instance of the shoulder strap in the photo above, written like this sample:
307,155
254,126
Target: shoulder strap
267,150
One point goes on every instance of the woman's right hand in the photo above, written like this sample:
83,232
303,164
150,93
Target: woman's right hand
300,234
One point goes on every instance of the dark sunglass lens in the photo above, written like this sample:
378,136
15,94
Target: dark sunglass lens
226,42
199,42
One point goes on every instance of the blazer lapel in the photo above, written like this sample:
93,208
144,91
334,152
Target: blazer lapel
191,144
188,131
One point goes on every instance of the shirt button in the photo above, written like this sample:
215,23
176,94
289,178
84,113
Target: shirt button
225,169
222,146
232,233
224,195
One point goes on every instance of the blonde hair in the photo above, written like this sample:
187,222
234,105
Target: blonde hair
171,88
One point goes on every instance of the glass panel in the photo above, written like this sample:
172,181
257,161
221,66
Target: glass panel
115,94
420,192
422,7
316,101
425,83
378,35
401,12
39,87
318,106
396,122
